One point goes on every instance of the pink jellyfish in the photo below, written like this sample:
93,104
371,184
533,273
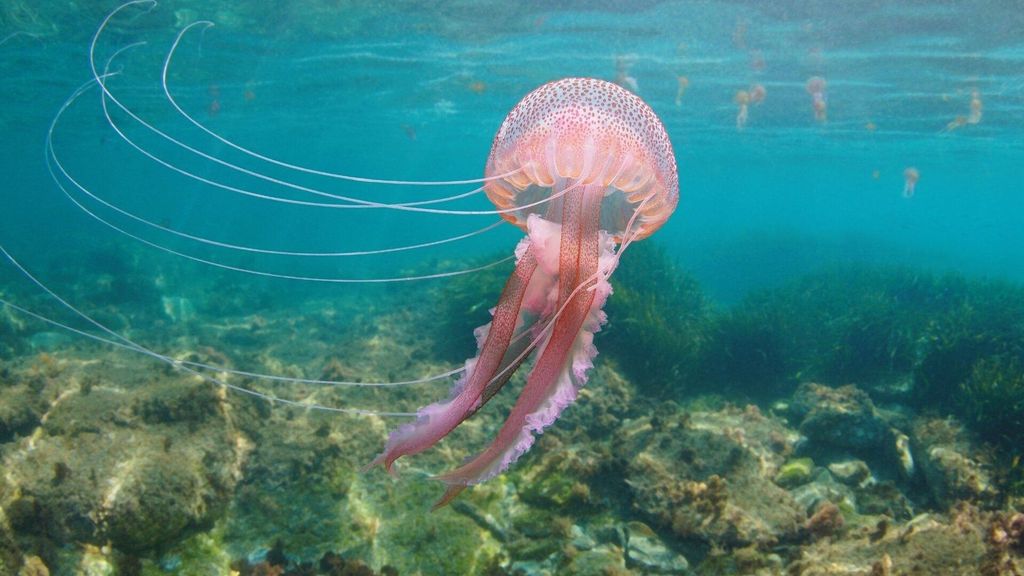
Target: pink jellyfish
910,178
975,116
819,100
587,165
757,93
742,100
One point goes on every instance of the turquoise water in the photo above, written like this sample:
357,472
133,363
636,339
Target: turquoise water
415,91
344,91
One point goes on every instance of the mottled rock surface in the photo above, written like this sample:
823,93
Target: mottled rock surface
707,477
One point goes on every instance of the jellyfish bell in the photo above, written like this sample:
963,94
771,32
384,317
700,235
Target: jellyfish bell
815,85
603,159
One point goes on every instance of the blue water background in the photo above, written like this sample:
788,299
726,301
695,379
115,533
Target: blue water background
346,89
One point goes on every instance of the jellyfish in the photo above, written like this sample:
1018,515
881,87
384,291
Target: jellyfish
910,178
682,83
975,114
603,158
742,100
819,99
757,93
583,166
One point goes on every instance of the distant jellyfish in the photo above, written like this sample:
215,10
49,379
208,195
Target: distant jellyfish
819,99
910,178
742,100
757,93
682,83
875,174
975,115
870,126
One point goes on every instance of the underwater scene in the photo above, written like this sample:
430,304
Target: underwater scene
610,287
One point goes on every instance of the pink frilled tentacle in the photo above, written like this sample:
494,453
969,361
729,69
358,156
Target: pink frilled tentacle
567,353
496,361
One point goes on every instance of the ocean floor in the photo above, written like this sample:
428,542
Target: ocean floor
114,463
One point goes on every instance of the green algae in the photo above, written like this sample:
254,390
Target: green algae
409,538
795,472
203,553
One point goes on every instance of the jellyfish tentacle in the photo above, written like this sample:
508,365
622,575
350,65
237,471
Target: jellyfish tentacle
566,354
122,341
436,420
281,163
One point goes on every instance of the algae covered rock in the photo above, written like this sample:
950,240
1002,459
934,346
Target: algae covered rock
646,552
92,474
843,418
708,478
952,468
926,544
850,472
795,472
20,409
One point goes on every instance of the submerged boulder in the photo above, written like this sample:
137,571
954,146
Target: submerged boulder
97,470
707,477
953,469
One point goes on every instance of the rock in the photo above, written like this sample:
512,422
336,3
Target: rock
927,544
707,477
842,418
823,488
648,553
883,498
598,562
951,468
953,476
904,456
92,474
33,566
850,472
10,555
795,472
20,409
580,539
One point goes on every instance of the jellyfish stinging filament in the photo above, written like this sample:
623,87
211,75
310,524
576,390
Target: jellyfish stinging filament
602,160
